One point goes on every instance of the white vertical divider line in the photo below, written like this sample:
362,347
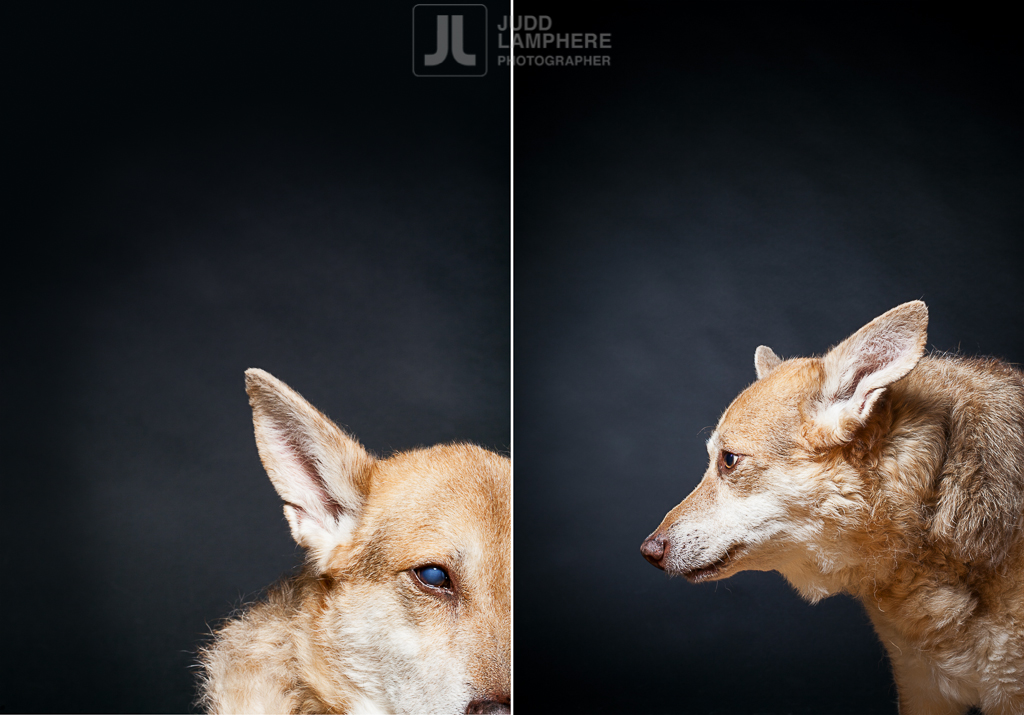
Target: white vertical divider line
512,314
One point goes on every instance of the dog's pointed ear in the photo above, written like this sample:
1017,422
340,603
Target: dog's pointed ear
321,473
765,361
857,371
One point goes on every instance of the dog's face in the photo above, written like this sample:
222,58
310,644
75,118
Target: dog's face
414,557
776,472
759,491
425,595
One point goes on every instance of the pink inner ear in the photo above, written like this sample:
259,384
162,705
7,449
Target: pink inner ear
874,355
851,387
304,473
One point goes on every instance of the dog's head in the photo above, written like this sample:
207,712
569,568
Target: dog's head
412,555
777,469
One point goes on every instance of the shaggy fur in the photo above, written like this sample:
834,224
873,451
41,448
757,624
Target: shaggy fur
890,476
361,629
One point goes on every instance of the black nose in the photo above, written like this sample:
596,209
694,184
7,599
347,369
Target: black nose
489,707
654,548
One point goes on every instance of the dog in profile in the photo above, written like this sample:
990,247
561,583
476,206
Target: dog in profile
889,475
403,604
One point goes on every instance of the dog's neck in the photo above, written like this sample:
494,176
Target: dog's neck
887,548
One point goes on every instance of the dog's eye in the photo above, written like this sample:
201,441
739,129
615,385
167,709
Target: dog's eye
433,576
729,459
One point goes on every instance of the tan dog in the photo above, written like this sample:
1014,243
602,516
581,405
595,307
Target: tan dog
893,477
404,604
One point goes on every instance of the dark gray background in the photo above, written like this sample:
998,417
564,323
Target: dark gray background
192,191
743,174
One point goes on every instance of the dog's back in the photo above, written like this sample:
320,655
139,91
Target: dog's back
947,593
978,492
404,604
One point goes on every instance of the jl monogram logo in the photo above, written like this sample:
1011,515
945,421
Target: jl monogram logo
442,43
449,40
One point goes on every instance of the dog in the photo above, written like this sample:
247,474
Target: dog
403,604
889,475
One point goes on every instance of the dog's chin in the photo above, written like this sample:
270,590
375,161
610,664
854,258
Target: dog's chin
724,567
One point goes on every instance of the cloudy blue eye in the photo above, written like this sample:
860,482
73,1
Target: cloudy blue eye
433,576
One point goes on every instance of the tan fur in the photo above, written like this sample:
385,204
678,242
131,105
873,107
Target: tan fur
357,631
890,476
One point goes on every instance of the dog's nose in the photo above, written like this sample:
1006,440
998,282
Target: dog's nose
654,548
489,707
